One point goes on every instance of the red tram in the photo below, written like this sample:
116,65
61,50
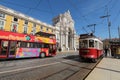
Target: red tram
90,47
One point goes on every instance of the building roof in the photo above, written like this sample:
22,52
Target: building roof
21,15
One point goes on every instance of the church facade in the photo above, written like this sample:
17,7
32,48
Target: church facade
65,31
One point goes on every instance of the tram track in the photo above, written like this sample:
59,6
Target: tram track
93,68
60,69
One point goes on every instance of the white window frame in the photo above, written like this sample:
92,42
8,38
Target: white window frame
25,26
41,27
1,28
2,16
34,28
12,27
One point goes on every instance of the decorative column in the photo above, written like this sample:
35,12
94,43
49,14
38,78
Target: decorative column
74,42
66,41
61,40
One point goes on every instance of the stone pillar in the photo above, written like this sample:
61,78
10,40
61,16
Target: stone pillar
61,41
72,42
66,42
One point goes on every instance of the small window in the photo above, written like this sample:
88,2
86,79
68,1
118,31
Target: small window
2,15
26,22
41,27
14,28
1,24
47,29
15,19
34,29
25,29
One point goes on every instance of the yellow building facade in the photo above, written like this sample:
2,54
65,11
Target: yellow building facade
14,21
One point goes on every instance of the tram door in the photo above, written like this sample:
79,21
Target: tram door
12,49
3,48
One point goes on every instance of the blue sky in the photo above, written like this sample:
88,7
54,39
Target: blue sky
83,12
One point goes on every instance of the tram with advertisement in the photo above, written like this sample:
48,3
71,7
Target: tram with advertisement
90,47
17,45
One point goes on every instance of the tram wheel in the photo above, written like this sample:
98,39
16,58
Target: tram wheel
94,60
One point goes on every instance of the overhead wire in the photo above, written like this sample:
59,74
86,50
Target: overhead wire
50,7
30,9
84,18
74,6
26,7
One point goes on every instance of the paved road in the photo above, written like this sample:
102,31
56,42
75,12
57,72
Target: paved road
66,66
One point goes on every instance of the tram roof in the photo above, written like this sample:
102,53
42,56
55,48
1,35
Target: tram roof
89,36
83,36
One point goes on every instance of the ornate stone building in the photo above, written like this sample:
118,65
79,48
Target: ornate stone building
65,31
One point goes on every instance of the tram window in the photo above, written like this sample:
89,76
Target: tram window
80,44
96,44
91,43
84,44
100,46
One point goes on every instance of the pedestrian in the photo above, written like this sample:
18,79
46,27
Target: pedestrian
109,51
106,51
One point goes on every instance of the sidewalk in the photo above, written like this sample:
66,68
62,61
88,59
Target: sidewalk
107,69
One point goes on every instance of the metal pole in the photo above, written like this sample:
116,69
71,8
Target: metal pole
119,33
109,23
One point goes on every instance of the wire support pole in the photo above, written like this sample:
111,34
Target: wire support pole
109,23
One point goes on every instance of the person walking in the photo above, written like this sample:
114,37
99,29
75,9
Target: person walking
109,51
106,51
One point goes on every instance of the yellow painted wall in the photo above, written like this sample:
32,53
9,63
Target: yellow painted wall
20,26
37,28
8,23
9,20
30,25
50,30
44,29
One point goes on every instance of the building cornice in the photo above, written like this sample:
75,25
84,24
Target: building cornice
21,15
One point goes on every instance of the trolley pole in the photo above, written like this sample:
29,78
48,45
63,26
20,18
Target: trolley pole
93,26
